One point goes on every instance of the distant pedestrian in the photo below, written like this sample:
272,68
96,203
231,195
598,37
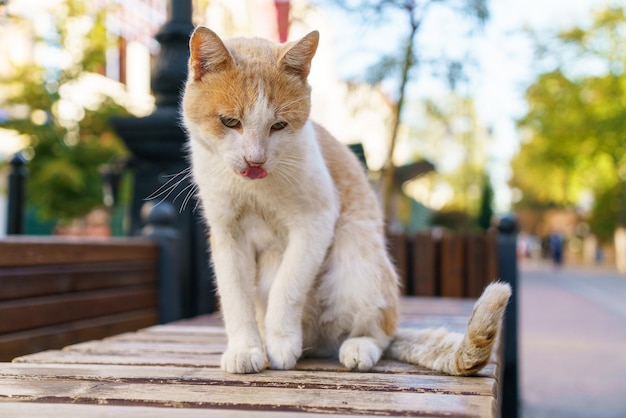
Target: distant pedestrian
556,248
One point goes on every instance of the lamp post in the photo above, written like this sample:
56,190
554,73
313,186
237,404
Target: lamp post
156,143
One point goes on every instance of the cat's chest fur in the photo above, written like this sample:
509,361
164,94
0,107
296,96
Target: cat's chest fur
262,228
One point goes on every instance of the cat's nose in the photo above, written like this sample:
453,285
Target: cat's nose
253,163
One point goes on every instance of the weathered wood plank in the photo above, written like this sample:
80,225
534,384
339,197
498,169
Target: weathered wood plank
147,359
102,347
485,386
183,371
58,336
261,398
31,251
209,360
166,337
48,310
38,410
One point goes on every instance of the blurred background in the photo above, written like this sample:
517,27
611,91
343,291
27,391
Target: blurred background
464,112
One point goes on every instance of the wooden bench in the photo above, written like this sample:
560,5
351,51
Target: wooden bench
173,371
448,265
59,291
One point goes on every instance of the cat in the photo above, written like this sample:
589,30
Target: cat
296,230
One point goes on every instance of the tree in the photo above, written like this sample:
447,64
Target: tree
575,127
69,136
401,65
485,214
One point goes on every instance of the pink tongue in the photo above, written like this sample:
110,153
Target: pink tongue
254,173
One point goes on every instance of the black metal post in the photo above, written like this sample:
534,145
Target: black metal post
157,145
160,220
508,272
17,195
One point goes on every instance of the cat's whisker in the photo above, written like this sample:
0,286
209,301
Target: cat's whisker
168,192
190,194
185,189
287,177
165,187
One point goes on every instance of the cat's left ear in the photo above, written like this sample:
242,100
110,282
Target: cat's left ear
297,59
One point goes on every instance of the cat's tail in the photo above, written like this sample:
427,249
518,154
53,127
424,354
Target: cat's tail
452,352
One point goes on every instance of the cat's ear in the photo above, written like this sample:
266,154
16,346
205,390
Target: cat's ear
207,53
297,59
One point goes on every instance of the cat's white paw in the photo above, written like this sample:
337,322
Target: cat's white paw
359,353
283,352
250,360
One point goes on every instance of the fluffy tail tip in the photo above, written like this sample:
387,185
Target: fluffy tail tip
500,291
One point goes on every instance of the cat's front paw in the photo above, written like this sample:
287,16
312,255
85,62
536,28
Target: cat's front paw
250,360
359,353
283,352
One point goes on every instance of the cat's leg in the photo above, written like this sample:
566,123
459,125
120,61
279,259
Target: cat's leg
235,274
360,291
370,335
451,352
301,262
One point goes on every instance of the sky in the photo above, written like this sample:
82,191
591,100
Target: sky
503,58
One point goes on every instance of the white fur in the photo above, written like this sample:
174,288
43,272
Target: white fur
299,255
289,240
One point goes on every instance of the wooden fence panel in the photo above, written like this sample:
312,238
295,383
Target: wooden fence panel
475,268
58,291
453,265
451,262
397,244
425,268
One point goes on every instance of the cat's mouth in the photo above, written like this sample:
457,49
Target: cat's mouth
254,173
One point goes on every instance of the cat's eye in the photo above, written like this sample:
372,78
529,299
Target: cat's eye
278,126
230,122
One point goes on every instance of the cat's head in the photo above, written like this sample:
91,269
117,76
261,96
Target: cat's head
245,98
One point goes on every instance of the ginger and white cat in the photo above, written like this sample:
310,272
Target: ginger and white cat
296,231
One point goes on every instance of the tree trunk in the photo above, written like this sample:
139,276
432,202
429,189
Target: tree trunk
389,168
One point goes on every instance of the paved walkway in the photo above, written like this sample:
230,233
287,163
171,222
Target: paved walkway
572,342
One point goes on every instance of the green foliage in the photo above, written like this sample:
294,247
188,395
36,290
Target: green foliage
70,137
453,220
575,127
604,221
485,213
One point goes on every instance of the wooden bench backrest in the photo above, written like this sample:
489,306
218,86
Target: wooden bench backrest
450,265
59,291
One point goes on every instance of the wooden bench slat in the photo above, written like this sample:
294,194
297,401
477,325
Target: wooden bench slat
58,336
351,400
38,410
22,282
48,310
270,378
122,347
31,251
212,360
177,365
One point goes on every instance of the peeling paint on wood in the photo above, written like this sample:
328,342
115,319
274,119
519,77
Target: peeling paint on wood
173,370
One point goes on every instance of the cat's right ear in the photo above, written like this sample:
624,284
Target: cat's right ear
207,53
